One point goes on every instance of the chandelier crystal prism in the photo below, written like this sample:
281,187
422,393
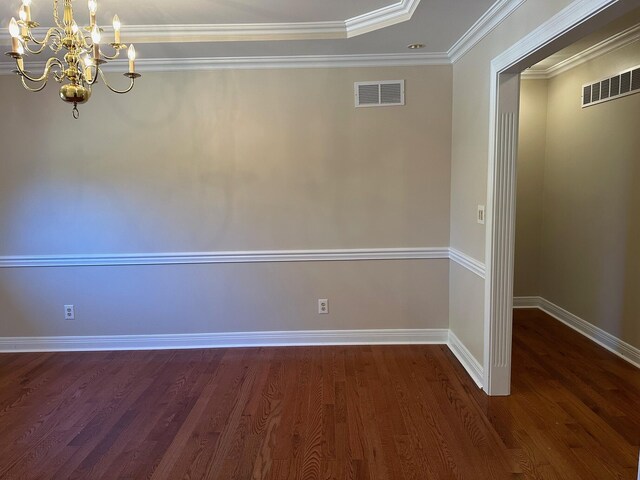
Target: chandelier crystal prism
79,69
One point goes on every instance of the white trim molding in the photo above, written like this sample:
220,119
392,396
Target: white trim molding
248,339
622,349
576,13
226,340
464,356
615,42
392,14
186,258
493,17
258,256
525,303
381,18
470,263
260,63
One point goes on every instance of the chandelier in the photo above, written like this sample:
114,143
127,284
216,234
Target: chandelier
80,67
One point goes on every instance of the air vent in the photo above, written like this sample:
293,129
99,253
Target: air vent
626,83
379,94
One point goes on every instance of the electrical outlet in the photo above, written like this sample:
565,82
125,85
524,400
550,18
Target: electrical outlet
481,214
323,306
69,312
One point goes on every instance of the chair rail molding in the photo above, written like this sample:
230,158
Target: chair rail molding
258,256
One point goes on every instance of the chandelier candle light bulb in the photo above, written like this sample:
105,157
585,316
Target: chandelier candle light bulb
88,63
20,60
95,36
116,28
14,31
93,8
23,21
131,53
26,4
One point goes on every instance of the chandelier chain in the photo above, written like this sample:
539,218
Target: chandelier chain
56,18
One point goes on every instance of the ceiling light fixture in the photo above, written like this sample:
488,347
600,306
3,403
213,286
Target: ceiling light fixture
416,46
81,67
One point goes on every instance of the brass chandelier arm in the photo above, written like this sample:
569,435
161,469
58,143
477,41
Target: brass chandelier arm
52,32
132,79
52,62
85,43
31,89
116,55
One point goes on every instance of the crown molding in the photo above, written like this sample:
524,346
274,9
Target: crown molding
615,42
294,61
257,63
493,17
534,75
381,18
250,32
203,33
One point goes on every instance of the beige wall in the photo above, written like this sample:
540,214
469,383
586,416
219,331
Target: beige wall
590,236
227,160
531,155
174,299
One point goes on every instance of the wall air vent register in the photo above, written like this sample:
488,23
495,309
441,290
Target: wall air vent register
379,94
621,85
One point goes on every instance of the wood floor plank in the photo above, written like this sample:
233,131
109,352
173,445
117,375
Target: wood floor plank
360,413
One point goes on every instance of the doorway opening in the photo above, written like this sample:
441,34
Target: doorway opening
576,21
577,248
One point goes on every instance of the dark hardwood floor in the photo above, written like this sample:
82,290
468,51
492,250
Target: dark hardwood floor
321,413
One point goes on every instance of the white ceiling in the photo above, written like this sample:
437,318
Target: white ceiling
436,23
159,12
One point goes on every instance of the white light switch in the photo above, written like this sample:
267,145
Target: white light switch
481,214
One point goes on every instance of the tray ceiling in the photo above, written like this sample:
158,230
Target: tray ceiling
163,29
159,12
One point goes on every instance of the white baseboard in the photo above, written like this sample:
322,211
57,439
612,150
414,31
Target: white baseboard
224,340
625,351
527,302
468,361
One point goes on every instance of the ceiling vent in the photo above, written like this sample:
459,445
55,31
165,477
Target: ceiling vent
379,94
621,85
